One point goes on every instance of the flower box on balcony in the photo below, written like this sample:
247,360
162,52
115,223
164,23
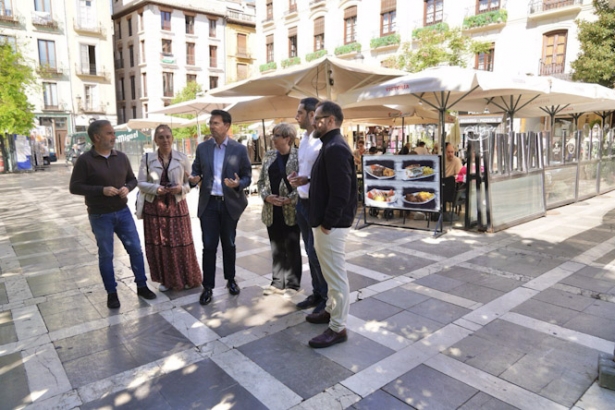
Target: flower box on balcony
433,27
390,40
291,62
268,66
348,48
485,19
315,55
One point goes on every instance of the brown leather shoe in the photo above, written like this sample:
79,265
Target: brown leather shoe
328,338
320,317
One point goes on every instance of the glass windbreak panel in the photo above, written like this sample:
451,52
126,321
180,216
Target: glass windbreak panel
516,199
570,147
596,138
607,174
560,184
607,141
587,178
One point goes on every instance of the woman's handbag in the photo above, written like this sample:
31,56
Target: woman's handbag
140,197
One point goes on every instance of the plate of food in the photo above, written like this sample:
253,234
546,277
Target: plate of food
380,171
381,197
419,198
417,171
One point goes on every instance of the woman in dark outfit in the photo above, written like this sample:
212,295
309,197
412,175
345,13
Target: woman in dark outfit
279,210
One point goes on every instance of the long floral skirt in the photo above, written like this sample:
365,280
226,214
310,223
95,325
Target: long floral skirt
168,243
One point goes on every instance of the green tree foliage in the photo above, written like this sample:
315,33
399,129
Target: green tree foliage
596,62
188,93
435,45
16,76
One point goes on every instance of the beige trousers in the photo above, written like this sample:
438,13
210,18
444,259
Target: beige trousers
330,250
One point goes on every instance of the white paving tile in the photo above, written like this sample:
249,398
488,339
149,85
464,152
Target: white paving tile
443,296
496,387
194,330
28,322
21,345
246,336
498,307
375,331
368,273
596,398
442,339
569,335
388,284
336,397
68,400
17,289
46,375
266,388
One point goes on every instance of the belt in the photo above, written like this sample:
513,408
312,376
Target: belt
217,197
304,200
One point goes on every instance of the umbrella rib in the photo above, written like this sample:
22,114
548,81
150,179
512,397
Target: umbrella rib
462,97
420,97
529,101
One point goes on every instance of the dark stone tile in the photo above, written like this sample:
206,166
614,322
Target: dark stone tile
546,312
64,303
439,311
446,248
422,388
438,282
509,335
483,401
373,309
566,249
411,326
593,325
298,366
147,396
72,317
390,262
512,261
380,400
30,249
564,299
4,297
228,314
499,283
84,344
463,274
259,263
99,365
476,292
484,354
401,297
595,235
357,281
584,281
602,309
13,382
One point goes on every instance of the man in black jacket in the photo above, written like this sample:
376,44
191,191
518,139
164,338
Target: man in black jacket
333,205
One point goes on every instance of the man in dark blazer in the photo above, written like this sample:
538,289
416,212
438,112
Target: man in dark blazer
223,168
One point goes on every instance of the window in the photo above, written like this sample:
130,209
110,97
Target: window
120,62
145,112
42,5
213,56
91,98
319,33
190,78
167,46
122,112
388,14
10,40
88,59
134,111
292,5
6,9
242,45
484,61
119,29
131,55
142,51
167,84
554,53
190,60
47,53
122,89
350,25
165,20
433,11
212,28
269,48
144,85
133,88
292,42
242,71
129,23
269,9
483,6
50,95
189,24
87,17
141,26
213,82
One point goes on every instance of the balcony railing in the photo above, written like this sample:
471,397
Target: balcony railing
548,5
552,69
6,15
43,19
92,108
86,27
241,17
190,60
49,69
243,52
90,70
316,3
166,25
213,62
119,64
51,107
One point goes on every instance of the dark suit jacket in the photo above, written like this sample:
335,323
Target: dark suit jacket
236,161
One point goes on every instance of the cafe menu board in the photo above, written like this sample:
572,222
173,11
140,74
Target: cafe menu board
406,182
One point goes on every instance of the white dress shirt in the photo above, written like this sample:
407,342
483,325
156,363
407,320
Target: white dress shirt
309,147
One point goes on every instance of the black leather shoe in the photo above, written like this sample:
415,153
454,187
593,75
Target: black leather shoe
232,287
145,293
112,301
320,317
311,301
321,306
205,296
328,338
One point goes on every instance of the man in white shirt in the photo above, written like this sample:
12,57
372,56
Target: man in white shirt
420,148
309,148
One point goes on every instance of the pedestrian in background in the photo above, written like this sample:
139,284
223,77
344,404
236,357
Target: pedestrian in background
223,167
104,176
163,180
279,202
309,148
333,205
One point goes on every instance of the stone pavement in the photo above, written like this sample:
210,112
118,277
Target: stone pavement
510,320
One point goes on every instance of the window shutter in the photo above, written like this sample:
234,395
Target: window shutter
387,5
319,26
269,39
350,12
292,32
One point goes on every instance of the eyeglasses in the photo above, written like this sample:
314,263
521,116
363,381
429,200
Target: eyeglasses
279,135
318,118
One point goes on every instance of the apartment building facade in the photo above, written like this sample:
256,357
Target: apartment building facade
535,37
161,46
68,43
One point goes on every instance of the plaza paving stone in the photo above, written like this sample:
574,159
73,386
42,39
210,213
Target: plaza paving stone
467,320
